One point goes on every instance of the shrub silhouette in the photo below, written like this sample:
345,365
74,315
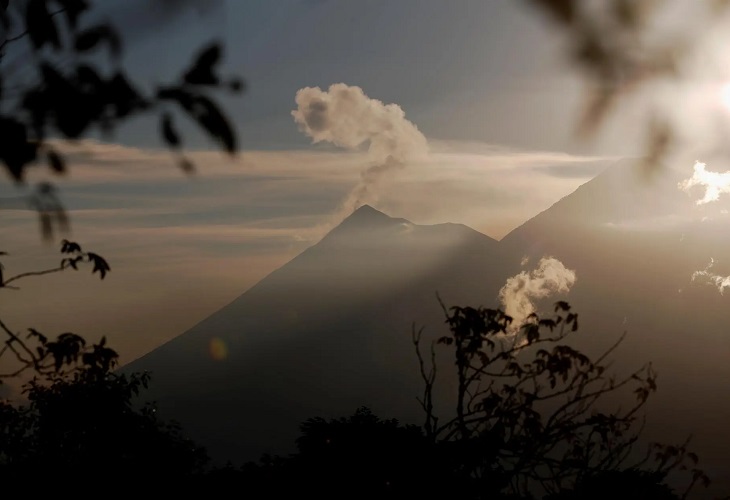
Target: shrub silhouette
80,417
531,418
630,484
535,417
88,424
360,456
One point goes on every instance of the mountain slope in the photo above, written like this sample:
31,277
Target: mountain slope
324,334
635,246
330,330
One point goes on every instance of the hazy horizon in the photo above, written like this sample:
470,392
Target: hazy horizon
160,229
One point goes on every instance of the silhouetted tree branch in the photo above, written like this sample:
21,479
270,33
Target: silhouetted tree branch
529,417
74,83
35,351
429,376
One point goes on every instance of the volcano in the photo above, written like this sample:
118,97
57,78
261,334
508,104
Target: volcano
326,333
330,331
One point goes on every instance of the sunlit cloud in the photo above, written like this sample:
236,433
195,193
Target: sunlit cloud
520,292
707,276
714,183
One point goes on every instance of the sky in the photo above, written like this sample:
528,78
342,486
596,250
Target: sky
486,85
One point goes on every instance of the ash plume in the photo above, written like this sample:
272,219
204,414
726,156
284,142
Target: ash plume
344,116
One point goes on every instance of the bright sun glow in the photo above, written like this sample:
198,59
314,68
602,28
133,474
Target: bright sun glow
725,95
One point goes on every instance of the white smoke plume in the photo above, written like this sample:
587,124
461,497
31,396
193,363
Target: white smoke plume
519,293
344,116
721,282
715,183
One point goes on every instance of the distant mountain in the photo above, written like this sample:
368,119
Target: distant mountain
635,244
324,334
330,330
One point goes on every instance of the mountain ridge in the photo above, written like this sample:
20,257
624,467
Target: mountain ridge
330,330
354,294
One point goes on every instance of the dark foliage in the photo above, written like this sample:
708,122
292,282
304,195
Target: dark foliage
83,424
79,421
88,424
362,456
73,83
630,484
527,423
530,422
534,416
36,352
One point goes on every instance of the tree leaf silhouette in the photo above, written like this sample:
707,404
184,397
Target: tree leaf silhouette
41,28
73,10
206,113
169,133
100,265
56,162
70,247
92,37
203,70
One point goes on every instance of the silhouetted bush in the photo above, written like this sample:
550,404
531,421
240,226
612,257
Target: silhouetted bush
534,416
530,420
86,424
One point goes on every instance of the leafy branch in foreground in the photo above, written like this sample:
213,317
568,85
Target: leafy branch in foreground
80,416
532,413
62,78
67,351
622,47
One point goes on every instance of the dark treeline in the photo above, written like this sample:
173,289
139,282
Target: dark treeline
529,422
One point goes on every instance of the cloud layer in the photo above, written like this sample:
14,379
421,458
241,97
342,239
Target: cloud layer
168,236
520,292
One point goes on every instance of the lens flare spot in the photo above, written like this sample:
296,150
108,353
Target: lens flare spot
218,349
